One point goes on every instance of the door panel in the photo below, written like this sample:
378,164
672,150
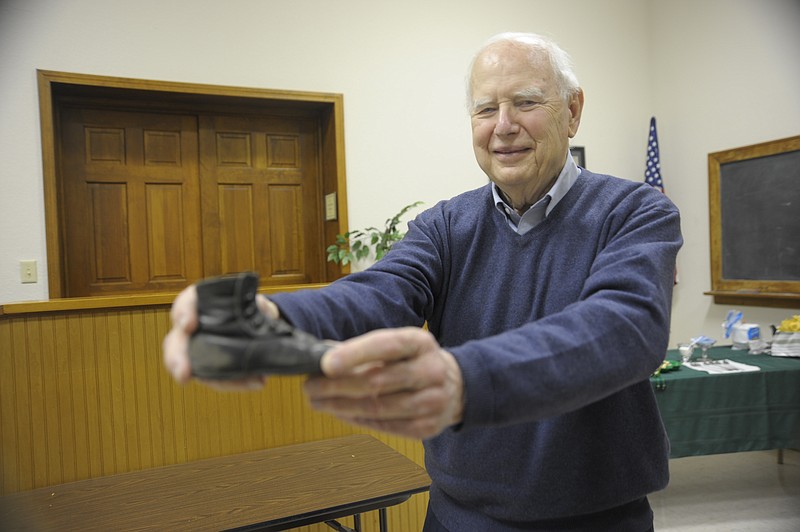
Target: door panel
237,238
110,246
131,198
166,237
286,230
260,182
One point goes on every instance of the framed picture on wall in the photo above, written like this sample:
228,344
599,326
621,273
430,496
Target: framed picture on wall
579,154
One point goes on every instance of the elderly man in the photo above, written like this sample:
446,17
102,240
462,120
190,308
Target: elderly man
547,295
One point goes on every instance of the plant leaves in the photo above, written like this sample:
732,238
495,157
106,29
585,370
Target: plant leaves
353,245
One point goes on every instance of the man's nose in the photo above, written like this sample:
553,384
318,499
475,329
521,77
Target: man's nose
506,121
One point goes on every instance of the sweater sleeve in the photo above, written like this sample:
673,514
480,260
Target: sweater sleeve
614,335
396,291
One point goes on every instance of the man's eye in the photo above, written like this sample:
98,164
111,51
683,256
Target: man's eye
527,104
483,111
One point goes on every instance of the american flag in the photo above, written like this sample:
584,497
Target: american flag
652,173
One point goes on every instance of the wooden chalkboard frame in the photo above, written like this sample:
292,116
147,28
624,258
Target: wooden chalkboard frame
772,292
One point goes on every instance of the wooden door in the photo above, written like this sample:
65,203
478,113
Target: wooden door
260,182
131,201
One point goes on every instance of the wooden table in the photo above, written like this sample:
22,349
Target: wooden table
273,489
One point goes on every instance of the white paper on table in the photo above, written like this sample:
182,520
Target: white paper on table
719,367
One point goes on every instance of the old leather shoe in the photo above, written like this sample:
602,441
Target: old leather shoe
234,339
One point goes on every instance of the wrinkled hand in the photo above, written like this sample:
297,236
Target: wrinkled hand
393,380
184,323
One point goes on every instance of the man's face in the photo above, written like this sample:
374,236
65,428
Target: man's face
520,123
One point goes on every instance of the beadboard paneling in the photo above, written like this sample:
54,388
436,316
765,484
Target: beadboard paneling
83,393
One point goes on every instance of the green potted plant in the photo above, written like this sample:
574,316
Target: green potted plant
357,244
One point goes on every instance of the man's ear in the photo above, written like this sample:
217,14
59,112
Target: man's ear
575,110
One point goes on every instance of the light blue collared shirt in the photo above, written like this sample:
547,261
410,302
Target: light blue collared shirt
539,210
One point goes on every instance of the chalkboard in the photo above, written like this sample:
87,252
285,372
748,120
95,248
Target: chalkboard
760,202
754,208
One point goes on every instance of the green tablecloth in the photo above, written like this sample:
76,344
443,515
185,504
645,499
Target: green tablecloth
711,414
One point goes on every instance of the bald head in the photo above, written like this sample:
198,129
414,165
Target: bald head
539,51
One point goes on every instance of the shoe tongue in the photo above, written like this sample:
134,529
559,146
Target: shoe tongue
251,319
226,305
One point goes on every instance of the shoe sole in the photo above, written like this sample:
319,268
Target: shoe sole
220,357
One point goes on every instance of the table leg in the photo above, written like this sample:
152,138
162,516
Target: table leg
384,525
336,525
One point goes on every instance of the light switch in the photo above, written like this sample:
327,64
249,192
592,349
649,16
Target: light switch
330,206
27,271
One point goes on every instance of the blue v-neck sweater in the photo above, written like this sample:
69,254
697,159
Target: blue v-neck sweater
556,333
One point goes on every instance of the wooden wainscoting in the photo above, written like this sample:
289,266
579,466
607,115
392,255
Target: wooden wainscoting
83,393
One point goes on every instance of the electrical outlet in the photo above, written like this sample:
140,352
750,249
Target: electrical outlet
27,271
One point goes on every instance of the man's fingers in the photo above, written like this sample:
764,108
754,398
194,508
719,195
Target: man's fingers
398,381
267,307
372,379
175,345
398,406
184,310
376,347
175,359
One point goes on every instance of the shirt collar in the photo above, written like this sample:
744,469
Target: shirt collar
566,178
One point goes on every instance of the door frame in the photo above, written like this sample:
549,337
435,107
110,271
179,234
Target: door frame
54,86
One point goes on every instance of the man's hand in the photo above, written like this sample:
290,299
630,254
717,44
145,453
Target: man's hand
184,323
393,380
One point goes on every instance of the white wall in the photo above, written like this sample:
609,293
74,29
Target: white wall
401,66
726,73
